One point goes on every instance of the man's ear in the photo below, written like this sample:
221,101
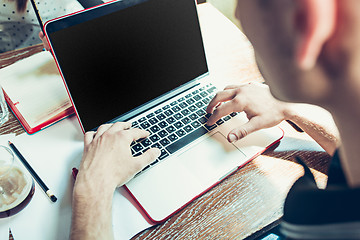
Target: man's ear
314,23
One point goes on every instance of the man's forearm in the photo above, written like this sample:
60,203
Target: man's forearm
317,123
92,214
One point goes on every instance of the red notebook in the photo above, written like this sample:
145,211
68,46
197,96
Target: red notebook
35,92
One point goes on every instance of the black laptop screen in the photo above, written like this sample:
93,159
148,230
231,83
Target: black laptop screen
123,59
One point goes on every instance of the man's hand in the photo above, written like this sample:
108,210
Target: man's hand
107,154
255,99
44,41
107,163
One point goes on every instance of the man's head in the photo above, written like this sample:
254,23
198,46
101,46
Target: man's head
306,49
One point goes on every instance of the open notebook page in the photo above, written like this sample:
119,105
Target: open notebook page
35,87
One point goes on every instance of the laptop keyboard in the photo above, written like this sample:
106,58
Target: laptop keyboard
177,124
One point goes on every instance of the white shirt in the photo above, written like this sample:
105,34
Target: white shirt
21,29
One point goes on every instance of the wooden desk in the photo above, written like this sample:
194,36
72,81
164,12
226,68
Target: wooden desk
252,198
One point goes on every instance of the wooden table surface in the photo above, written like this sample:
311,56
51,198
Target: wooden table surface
251,200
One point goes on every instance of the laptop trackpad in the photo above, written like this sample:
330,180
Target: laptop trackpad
212,158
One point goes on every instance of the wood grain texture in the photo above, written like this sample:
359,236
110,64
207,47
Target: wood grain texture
253,197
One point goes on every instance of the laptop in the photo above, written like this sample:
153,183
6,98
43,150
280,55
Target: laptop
143,61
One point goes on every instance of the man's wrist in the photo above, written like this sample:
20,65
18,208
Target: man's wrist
289,111
91,187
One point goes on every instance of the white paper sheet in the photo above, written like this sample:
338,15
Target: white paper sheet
52,153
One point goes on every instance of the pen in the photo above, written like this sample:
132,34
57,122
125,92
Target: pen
33,173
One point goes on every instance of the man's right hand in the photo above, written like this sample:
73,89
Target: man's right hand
255,99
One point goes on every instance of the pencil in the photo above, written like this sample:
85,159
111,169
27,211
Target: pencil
37,15
33,173
11,237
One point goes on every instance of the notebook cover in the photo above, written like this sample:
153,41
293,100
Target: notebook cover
24,123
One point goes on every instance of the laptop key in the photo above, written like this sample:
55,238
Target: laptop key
163,133
185,112
142,119
146,142
146,168
155,129
195,124
181,133
181,99
137,154
153,121
154,138
178,125
183,105
200,112
175,146
211,90
185,120
204,94
134,124
156,145
171,129
164,142
227,118
203,120
192,108
176,108
137,147
150,115
199,104
211,127
161,116
195,92
163,154
168,112
206,100
158,111
173,137
171,120
154,162
163,124
208,115
144,125
233,114
178,116
188,128
197,97
219,122
193,116
190,101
